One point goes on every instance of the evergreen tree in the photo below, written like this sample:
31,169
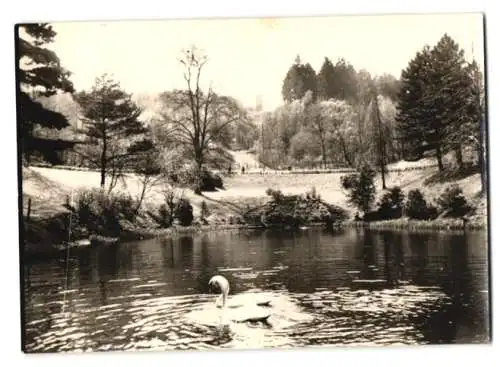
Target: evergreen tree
434,100
472,128
39,73
344,82
414,112
111,121
325,80
450,92
299,79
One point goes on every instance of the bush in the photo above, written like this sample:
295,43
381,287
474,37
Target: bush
209,181
184,212
391,204
165,219
417,208
127,206
276,195
453,202
166,211
361,188
101,213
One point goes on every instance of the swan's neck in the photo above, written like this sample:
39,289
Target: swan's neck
223,299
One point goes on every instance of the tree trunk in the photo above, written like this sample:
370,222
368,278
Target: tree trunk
323,153
145,183
103,162
459,157
382,173
198,179
346,155
439,158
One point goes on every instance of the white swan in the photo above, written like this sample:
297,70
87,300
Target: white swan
245,312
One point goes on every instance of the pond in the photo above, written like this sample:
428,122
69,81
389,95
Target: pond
356,287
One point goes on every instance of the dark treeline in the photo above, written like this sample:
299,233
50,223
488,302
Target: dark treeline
339,116
329,118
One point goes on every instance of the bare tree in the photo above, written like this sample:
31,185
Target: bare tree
197,120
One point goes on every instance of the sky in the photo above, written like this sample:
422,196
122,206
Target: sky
249,58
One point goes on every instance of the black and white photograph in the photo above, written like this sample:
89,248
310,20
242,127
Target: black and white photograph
253,183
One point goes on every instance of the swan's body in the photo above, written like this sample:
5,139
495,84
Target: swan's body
247,312
222,284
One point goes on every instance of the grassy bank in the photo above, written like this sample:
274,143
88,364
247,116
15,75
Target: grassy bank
49,190
439,224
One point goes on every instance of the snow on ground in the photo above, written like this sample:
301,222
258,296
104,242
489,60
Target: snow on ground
50,186
243,158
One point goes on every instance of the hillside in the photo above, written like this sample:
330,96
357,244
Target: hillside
49,188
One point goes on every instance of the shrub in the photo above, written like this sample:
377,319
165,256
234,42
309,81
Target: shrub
391,204
276,195
184,212
417,208
127,206
209,181
360,188
165,218
166,211
453,202
100,212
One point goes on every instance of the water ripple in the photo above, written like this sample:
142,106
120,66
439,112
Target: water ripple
142,297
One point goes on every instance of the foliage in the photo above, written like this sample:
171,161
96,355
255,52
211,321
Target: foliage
211,181
360,188
167,209
101,213
438,104
331,124
417,208
187,177
340,81
388,86
391,204
337,124
414,116
111,123
453,202
304,148
299,79
276,195
294,210
39,74
184,212
325,80
245,134
164,219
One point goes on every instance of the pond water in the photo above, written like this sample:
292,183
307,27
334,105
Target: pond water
356,287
